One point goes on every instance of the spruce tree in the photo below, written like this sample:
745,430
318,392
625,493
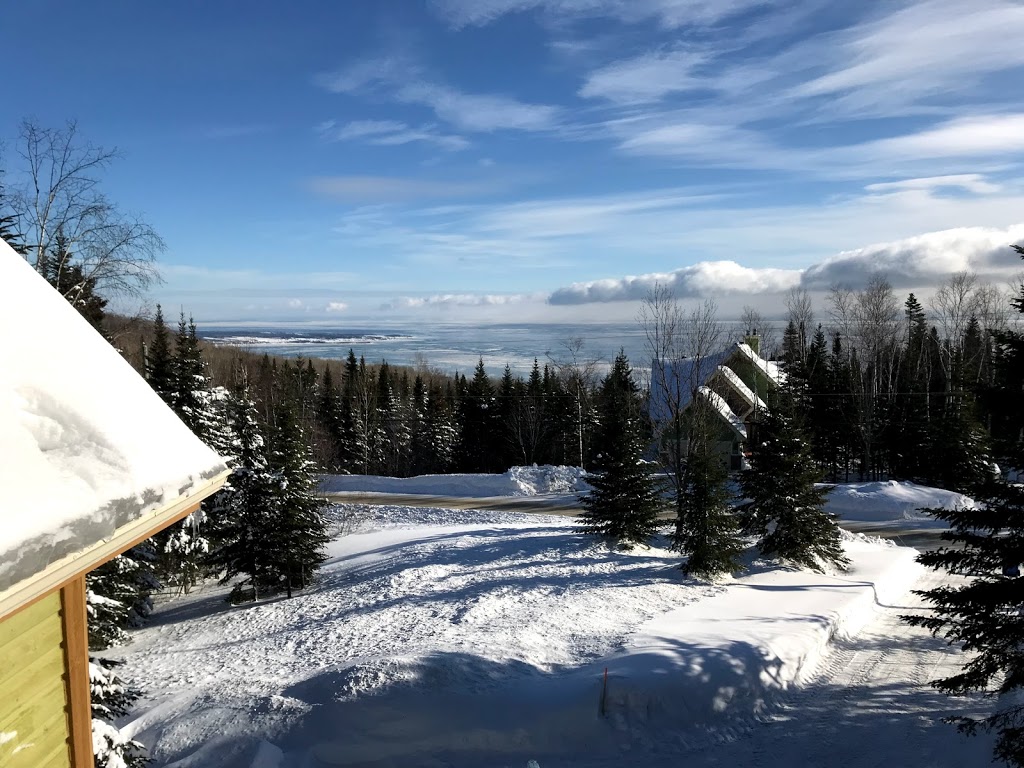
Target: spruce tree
983,615
480,424
625,500
242,513
297,526
112,698
159,363
706,528
785,509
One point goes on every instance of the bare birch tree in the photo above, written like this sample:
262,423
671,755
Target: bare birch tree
59,197
672,337
579,376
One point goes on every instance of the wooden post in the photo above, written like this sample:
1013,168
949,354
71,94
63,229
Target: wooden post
76,656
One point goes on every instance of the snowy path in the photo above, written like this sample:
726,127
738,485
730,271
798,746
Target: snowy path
869,705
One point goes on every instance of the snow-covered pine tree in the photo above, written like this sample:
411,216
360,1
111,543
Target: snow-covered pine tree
706,528
984,615
786,510
625,500
183,547
298,526
241,513
111,698
118,596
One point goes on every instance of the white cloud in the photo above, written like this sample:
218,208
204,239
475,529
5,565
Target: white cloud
913,262
389,133
974,183
459,300
709,278
920,50
670,14
646,78
296,303
479,112
366,73
974,136
923,260
364,190
336,306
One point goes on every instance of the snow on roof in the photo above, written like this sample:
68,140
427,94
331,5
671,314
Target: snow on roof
723,408
742,389
677,379
769,369
86,446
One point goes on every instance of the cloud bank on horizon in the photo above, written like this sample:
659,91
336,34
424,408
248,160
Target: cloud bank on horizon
917,262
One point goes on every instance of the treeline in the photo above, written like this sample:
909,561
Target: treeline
889,392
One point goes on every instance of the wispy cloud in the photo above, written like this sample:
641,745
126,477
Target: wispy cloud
969,182
460,300
365,190
479,112
647,78
367,73
389,133
404,83
669,14
924,49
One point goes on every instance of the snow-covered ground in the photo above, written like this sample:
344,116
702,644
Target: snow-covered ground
466,638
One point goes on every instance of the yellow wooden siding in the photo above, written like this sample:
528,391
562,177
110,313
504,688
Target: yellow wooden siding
33,697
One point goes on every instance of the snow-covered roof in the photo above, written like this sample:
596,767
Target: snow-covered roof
769,369
748,395
718,403
86,446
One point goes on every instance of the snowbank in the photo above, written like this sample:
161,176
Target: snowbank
892,500
518,481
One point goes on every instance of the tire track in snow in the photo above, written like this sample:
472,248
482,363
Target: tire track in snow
868,704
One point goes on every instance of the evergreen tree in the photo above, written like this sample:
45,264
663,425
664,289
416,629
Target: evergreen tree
983,615
159,363
65,274
329,441
785,510
625,501
242,514
479,424
706,529
118,596
112,697
297,527
9,229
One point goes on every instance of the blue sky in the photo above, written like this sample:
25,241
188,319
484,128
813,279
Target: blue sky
538,159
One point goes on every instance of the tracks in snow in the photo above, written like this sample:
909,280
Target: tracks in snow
868,705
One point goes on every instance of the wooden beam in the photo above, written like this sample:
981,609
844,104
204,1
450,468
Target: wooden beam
69,568
76,662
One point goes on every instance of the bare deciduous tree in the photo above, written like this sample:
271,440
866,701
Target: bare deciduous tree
800,312
673,336
59,196
579,375
752,321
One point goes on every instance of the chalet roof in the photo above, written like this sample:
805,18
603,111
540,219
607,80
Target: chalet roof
680,378
86,446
